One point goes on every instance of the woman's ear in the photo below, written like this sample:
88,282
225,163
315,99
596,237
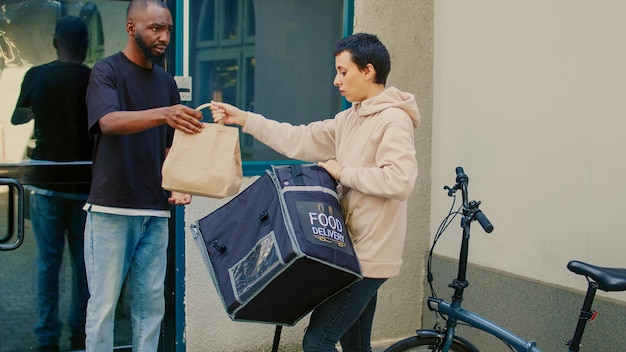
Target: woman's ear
370,72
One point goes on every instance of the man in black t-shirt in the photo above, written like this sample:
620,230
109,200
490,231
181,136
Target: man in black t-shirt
53,95
134,107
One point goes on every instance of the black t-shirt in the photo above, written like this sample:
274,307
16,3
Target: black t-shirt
56,94
127,168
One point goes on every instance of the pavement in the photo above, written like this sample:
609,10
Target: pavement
18,300
18,305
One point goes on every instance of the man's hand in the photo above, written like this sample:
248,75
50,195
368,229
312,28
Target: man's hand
177,116
178,198
184,118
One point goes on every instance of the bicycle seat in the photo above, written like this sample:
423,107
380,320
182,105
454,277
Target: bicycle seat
608,279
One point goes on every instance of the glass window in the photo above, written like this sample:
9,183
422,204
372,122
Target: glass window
207,18
273,57
26,40
282,66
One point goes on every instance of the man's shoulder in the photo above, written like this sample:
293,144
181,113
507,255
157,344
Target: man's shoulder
107,58
111,61
40,68
38,72
66,66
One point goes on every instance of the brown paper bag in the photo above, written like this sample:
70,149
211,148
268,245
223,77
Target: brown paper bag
207,163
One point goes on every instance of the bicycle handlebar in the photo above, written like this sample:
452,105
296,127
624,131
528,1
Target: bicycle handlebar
483,221
460,175
471,206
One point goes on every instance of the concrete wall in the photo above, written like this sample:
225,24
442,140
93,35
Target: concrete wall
406,28
208,327
529,100
539,311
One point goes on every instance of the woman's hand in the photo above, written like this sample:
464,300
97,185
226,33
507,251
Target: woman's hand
332,167
228,114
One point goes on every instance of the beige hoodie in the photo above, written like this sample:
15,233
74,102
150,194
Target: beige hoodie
374,142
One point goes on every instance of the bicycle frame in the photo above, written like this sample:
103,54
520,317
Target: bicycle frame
445,339
454,313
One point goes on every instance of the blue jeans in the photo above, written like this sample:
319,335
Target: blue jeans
347,317
51,216
119,247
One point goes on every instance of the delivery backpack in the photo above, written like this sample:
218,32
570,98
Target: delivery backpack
280,247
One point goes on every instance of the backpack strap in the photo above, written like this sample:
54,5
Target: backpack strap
296,173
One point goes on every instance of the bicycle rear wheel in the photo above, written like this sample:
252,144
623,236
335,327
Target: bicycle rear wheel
430,340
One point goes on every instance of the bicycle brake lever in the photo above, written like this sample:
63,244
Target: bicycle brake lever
450,190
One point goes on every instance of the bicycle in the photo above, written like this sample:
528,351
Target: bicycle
444,339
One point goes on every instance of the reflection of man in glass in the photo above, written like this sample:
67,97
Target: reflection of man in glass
53,94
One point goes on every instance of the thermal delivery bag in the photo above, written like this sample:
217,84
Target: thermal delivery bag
280,247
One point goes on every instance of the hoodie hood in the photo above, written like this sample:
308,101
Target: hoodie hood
390,98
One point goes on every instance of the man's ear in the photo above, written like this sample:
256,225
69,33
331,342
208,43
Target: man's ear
130,27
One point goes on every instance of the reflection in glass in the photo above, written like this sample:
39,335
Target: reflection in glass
220,80
26,36
284,53
26,29
230,29
207,20
249,18
272,56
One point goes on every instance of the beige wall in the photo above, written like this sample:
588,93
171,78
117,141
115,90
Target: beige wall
529,99
208,327
406,29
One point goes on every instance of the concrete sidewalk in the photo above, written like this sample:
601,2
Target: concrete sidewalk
18,300
18,305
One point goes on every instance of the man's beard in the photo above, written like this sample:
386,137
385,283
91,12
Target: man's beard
157,59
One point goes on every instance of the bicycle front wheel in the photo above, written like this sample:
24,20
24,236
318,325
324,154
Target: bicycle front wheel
430,341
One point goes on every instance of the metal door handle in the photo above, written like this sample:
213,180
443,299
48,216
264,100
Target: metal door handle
14,185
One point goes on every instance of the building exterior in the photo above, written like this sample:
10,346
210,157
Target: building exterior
526,96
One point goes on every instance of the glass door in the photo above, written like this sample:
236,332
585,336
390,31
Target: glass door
26,41
273,57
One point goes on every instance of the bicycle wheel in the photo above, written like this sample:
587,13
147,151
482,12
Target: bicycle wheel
430,341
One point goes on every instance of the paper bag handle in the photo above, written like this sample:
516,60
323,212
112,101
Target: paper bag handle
206,105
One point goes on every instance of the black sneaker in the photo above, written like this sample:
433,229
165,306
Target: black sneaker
48,348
